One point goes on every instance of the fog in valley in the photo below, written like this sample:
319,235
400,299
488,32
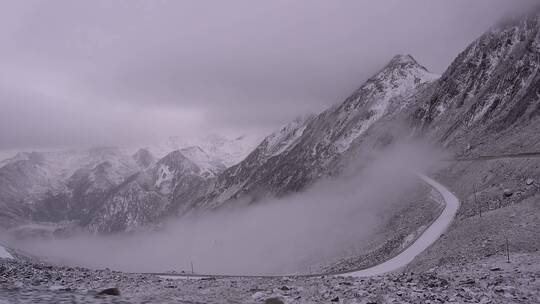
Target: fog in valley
271,237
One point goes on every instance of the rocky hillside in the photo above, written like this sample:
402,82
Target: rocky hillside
488,99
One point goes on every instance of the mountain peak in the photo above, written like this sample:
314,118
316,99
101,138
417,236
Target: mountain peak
144,158
404,62
401,73
403,59
173,156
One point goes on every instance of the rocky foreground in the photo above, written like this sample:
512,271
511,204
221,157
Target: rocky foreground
492,280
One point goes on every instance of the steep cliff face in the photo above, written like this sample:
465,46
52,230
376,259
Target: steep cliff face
490,91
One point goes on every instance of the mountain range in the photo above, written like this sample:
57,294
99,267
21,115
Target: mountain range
487,100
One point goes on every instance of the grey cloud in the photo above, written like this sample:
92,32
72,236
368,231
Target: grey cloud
125,71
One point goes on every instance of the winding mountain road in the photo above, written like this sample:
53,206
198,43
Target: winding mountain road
428,237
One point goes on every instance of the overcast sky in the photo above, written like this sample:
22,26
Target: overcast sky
81,73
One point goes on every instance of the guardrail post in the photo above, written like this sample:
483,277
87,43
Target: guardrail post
507,251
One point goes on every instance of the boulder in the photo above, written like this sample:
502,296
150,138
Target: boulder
507,193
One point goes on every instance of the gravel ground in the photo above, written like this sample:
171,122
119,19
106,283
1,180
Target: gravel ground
489,180
483,223
490,280
474,238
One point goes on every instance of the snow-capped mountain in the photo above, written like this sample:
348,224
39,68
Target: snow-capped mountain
401,78
304,150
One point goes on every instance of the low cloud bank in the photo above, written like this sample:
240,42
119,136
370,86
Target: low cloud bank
277,236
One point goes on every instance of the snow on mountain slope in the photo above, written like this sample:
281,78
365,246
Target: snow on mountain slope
56,167
400,78
150,195
60,185
210,167
307,148
234,179
169,168
285,138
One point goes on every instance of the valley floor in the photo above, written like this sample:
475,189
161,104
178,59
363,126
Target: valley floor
491,280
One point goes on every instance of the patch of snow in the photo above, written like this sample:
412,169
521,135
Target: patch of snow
259,295
57,288
4,254
484,109
208,166
280,141
229,192
182,277
164,175
440,109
